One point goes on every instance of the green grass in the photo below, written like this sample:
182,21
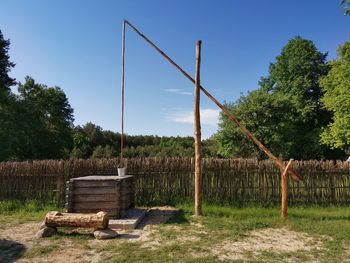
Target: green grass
24,211
189,239
329,224
41,250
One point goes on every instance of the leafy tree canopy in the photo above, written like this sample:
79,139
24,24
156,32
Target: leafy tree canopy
46,121
266,115
336,86
5,66
8,104
286,112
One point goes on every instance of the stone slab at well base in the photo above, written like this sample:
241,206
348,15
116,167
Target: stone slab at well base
130,220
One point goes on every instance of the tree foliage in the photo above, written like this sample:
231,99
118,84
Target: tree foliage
47,121
266,115
286,112
336,86
5,66
8,105
289,113
91,141
346,5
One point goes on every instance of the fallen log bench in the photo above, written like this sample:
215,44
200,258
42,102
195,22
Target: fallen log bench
58,219
99,222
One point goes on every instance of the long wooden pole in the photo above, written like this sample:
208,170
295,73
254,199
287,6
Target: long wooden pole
232,117
123,81
197,136
284,190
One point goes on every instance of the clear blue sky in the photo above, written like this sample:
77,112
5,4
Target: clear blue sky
76,45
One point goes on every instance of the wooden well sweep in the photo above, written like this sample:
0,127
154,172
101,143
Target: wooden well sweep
279,164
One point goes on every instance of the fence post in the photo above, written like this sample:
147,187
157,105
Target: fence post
332,189
284,191
59,188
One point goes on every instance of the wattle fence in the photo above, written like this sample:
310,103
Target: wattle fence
169,180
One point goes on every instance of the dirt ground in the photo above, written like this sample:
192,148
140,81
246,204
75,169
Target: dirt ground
266,240
19,241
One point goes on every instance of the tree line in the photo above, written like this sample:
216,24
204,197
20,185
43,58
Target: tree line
91,141
301,110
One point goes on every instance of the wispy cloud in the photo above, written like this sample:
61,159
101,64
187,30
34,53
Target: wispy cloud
208,117
178,91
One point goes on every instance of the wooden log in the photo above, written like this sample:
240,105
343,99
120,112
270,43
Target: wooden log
284,190
95,191
95,198
57,219
197,137
123,78
95,183
99,206
110,212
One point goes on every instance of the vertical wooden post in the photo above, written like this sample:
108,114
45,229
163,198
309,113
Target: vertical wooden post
123,63
59,188
197,136
284,190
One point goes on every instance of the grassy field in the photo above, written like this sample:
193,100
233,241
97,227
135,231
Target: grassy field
223,234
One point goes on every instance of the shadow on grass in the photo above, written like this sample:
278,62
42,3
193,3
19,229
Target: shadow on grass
178,218
11,251
163,215
78,233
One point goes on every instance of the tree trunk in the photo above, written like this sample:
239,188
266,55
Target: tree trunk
57,219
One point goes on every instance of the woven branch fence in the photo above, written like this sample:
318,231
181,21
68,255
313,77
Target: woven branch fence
168,180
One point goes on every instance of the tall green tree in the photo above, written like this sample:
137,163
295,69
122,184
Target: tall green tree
266,115
296,76
5,65
46,123
8,103
336,86
286,112
103,152
90,136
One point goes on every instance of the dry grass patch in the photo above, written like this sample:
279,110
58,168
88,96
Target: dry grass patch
271,240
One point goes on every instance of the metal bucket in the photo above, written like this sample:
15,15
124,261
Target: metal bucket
122,171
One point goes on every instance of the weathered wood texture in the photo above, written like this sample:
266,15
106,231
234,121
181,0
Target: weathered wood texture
197,137
123,91
112,194
284,190
166,180
57,219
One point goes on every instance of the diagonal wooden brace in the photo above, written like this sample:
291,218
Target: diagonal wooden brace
226,111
